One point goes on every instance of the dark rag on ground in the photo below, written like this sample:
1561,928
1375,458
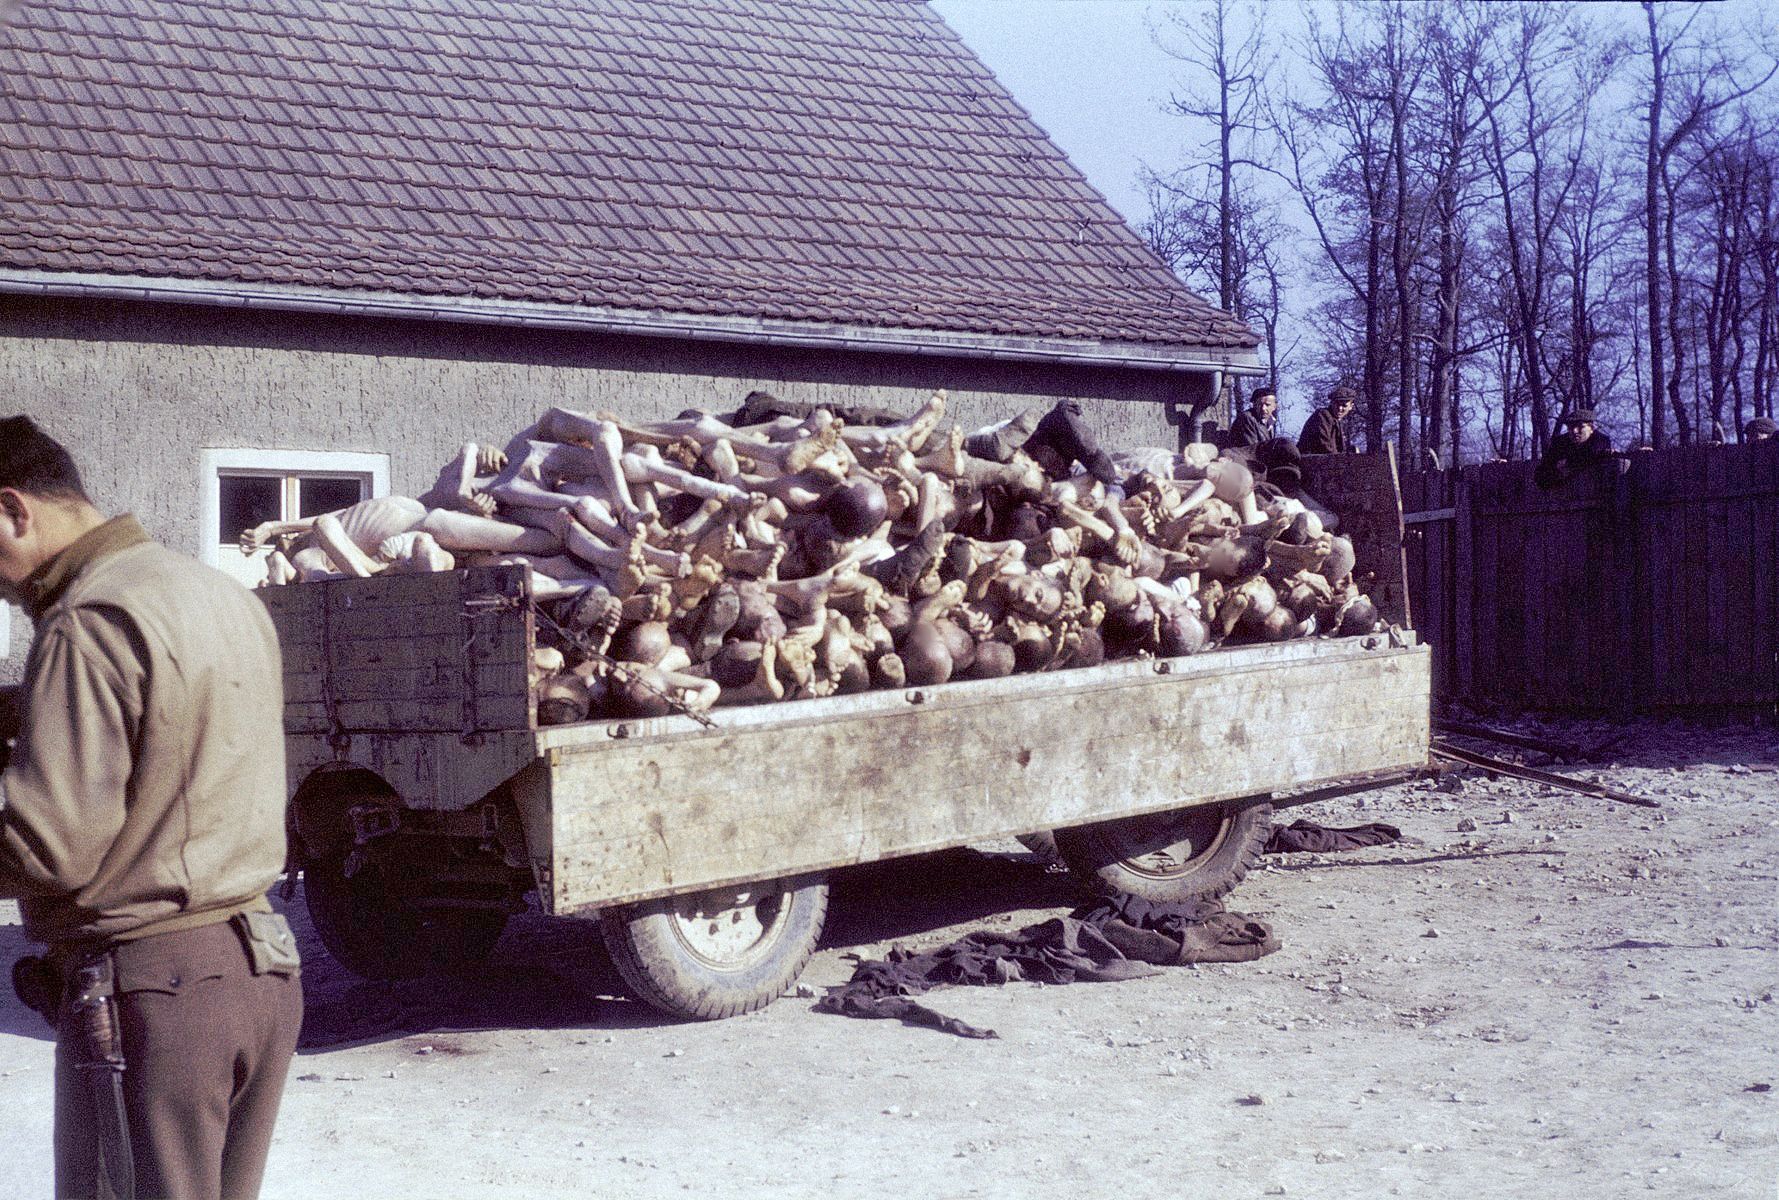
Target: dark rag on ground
1320,839
1122,938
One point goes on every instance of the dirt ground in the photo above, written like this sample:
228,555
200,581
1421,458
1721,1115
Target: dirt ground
1534,993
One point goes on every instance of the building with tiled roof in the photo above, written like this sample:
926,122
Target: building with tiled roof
263,228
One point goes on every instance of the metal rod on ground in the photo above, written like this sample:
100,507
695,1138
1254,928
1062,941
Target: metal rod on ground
1523,741
1483,762
1348,787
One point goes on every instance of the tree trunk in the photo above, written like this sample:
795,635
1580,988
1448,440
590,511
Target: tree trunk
1683,430
1652,266
1399,257
1226,284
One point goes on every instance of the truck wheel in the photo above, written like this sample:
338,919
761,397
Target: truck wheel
719,953
377,935
1198,853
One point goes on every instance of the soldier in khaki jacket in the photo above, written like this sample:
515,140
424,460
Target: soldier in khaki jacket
141,822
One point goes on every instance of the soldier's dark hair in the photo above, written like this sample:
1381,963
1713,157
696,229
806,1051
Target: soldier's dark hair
33,462
1260,392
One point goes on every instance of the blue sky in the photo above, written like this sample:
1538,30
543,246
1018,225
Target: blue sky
1090,74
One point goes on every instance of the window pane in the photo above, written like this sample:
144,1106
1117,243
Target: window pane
317,495
246,501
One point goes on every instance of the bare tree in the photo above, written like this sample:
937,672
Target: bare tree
1469,207
1690,79
1204,221
1536,161
1726,184
1404,69
1457,43
1340,150
1763,221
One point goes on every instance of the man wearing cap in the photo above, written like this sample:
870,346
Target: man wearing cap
1759,429
1580,446
141,822
1256,425
1322,433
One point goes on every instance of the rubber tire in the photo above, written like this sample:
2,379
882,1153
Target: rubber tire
1042,844
1096,853
665,973
377,937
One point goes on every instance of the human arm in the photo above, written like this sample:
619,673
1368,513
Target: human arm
1320,434
63,795
1597,449
1247,431
1552,470
1564,458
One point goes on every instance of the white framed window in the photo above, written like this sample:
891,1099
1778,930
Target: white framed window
240,489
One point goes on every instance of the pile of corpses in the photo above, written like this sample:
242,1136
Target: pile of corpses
702,561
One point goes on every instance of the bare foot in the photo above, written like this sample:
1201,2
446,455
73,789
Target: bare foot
921,427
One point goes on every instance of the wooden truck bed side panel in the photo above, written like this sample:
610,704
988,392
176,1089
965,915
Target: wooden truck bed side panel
439,653
639,816
428,771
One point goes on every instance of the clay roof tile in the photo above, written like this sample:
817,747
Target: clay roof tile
846,161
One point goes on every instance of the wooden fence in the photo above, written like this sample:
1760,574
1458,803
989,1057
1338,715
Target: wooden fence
1658,589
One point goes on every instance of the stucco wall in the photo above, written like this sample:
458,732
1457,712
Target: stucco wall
136,391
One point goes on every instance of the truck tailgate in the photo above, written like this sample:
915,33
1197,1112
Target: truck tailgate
648,808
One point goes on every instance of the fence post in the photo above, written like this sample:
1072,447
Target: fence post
1629,674
1463,484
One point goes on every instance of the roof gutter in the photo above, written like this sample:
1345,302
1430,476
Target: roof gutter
631,322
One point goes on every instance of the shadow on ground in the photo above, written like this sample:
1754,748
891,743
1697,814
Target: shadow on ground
15,1018
1737,738
545,973
908,897
554,973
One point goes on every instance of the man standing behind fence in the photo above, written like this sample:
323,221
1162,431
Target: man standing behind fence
141,822
1323,432
1256,425
1578,448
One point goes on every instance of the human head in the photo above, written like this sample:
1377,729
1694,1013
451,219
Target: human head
1580,423
1264,402
1341,400
1031,594
756,408
43,506
856,508
1760,429
1235,558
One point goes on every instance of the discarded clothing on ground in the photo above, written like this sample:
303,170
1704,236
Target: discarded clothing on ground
1320,839
1123,938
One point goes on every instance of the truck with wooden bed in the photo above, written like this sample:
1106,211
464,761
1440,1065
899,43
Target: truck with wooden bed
428,804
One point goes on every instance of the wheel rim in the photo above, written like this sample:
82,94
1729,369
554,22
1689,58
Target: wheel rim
1167,845
731,929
